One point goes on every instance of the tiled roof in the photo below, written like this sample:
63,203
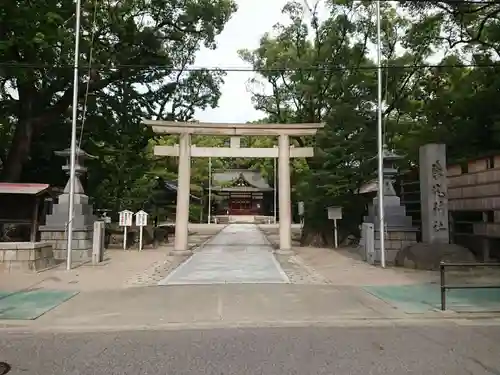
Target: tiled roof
28,189
253,178
172,185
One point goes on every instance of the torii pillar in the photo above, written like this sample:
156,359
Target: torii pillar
183,192
185,151
284,193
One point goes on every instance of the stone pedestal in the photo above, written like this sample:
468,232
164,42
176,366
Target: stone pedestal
394,213
396,239
399,231
81,243
54,231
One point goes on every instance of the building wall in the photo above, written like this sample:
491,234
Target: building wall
475,186
473,202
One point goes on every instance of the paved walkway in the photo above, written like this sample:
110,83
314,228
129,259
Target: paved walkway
239,254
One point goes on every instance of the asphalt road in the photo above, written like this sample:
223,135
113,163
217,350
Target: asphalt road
447,349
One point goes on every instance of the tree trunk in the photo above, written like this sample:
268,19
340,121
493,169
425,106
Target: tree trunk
19,152
313,238
314,235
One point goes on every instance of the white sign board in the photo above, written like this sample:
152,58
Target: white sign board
141,218
301,208
125,219
334,213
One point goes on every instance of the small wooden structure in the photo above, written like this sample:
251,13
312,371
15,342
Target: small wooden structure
24,204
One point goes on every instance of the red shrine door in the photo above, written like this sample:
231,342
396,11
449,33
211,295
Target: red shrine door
243,205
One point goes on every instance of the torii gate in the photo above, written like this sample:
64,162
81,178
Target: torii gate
184,150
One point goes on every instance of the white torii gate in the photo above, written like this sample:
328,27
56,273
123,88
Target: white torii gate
184,150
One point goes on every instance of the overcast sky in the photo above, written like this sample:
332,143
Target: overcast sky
243,31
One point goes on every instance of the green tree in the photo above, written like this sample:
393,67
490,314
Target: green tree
144,45
324,72
454,102
301,64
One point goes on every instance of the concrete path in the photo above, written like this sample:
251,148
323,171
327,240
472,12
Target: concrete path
216,304
239,254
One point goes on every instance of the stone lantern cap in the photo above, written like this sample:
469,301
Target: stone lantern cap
388,159
80,156
390,155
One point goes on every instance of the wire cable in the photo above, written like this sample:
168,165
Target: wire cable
317,68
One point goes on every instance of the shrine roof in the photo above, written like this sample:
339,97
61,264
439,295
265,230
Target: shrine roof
241,189
23,188
253,178
369,187
172,186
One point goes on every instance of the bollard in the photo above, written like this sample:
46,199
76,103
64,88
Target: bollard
98,242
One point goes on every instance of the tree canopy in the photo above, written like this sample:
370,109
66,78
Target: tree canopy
133,59
440,83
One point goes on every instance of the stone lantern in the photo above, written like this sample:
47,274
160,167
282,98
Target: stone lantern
54,230
394,212
389,170
80,157
398,225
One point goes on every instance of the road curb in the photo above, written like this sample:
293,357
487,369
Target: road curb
335,322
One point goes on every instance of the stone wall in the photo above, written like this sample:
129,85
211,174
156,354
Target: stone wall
25,256
81,244
394,242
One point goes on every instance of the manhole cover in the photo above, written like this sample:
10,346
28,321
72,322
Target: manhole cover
4,368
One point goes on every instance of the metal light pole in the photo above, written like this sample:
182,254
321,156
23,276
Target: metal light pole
72,173
380,144
275,181
209,190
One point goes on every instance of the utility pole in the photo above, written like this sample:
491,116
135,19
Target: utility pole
72,174
380,142
209,190
275,183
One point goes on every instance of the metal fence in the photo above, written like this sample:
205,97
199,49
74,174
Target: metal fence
445,287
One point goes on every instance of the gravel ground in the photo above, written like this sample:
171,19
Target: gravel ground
156,272
298,272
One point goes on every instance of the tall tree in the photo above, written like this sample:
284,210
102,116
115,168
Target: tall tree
146,44
322,72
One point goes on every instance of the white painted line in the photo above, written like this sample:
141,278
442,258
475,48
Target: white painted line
280,270
166,280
